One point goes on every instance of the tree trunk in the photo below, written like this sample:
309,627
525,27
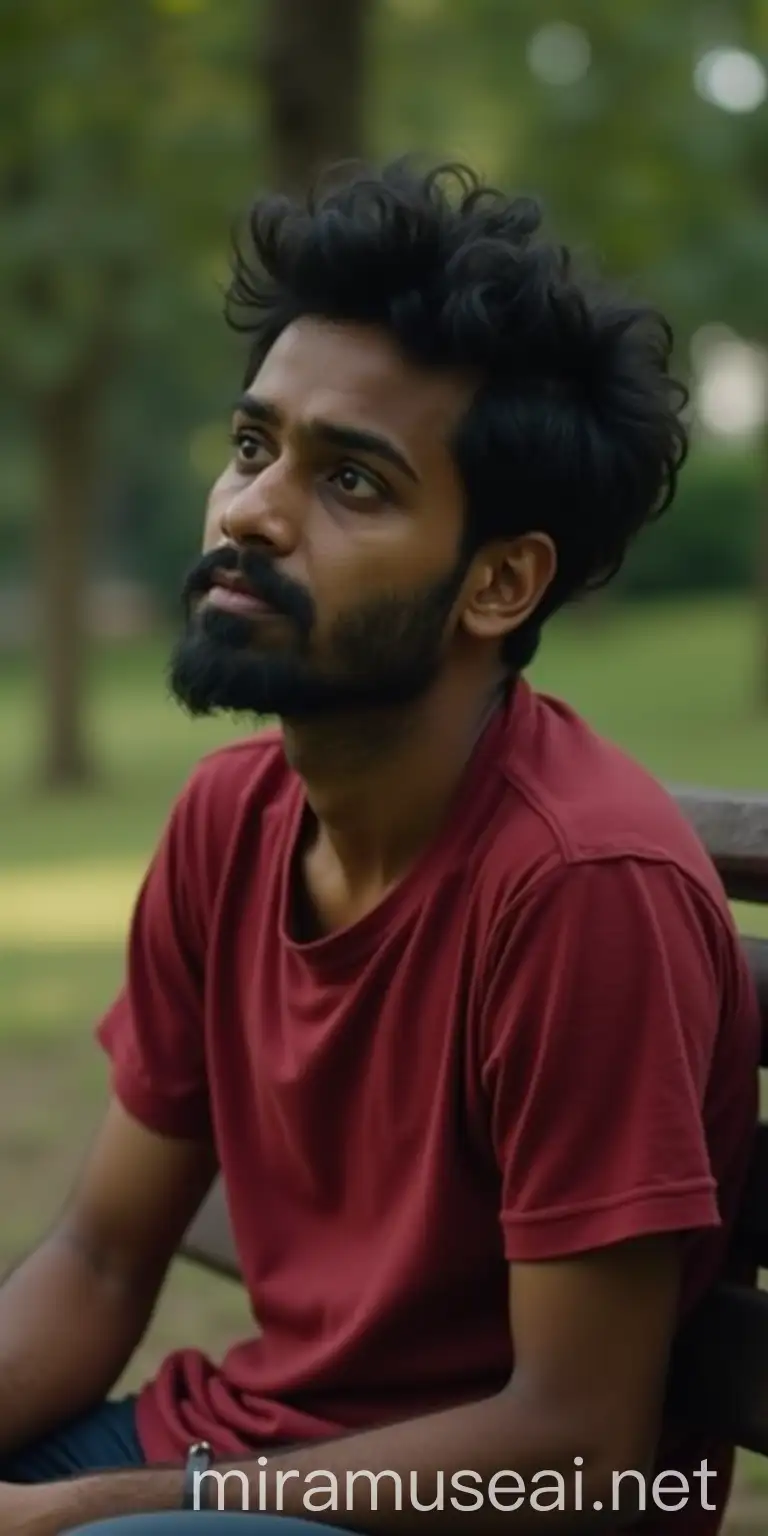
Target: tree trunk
313,67
761,575
67,428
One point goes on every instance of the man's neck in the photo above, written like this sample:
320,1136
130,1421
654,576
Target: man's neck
378,787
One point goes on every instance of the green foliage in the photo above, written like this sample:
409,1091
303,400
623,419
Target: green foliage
131,141
658,187
665,188
707,540
128,149
126,135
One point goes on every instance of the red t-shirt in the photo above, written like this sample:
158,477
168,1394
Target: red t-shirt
544,1040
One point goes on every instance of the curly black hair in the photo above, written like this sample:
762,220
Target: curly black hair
576,428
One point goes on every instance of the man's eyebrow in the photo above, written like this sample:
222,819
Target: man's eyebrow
257,410
367,442
330,432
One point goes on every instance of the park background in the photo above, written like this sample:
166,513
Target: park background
132,138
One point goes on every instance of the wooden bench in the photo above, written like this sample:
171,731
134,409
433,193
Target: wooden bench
720,1369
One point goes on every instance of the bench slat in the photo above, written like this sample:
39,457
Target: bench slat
734,828
719,1378
756,951
752,1225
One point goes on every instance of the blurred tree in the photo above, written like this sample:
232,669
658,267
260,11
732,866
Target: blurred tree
313,66
130,143
115,190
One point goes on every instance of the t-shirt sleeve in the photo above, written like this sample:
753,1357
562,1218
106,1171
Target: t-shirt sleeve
154,1030
599,1022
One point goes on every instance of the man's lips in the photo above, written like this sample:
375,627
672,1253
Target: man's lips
234,595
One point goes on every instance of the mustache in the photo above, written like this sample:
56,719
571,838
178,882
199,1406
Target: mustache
259,575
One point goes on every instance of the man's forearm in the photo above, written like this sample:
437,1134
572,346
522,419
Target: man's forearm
478,1464
66,1333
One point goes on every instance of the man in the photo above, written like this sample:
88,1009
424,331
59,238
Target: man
439,979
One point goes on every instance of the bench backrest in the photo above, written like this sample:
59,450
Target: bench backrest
720,1370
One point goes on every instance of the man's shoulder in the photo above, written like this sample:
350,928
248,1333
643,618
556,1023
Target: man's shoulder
572,797
589,872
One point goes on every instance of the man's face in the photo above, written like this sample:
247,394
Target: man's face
331,569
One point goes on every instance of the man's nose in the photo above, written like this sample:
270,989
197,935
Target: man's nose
263,512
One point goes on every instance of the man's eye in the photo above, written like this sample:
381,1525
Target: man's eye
353,482
248,444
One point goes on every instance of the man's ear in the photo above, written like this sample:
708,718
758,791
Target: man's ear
508,584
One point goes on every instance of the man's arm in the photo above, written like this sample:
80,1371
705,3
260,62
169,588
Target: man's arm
74,1310
592,1339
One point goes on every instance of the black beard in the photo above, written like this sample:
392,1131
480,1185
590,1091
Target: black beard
384,654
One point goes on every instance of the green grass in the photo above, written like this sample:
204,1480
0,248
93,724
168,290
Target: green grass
678,687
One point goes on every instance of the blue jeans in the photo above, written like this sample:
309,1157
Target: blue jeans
105,1440
206,1523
